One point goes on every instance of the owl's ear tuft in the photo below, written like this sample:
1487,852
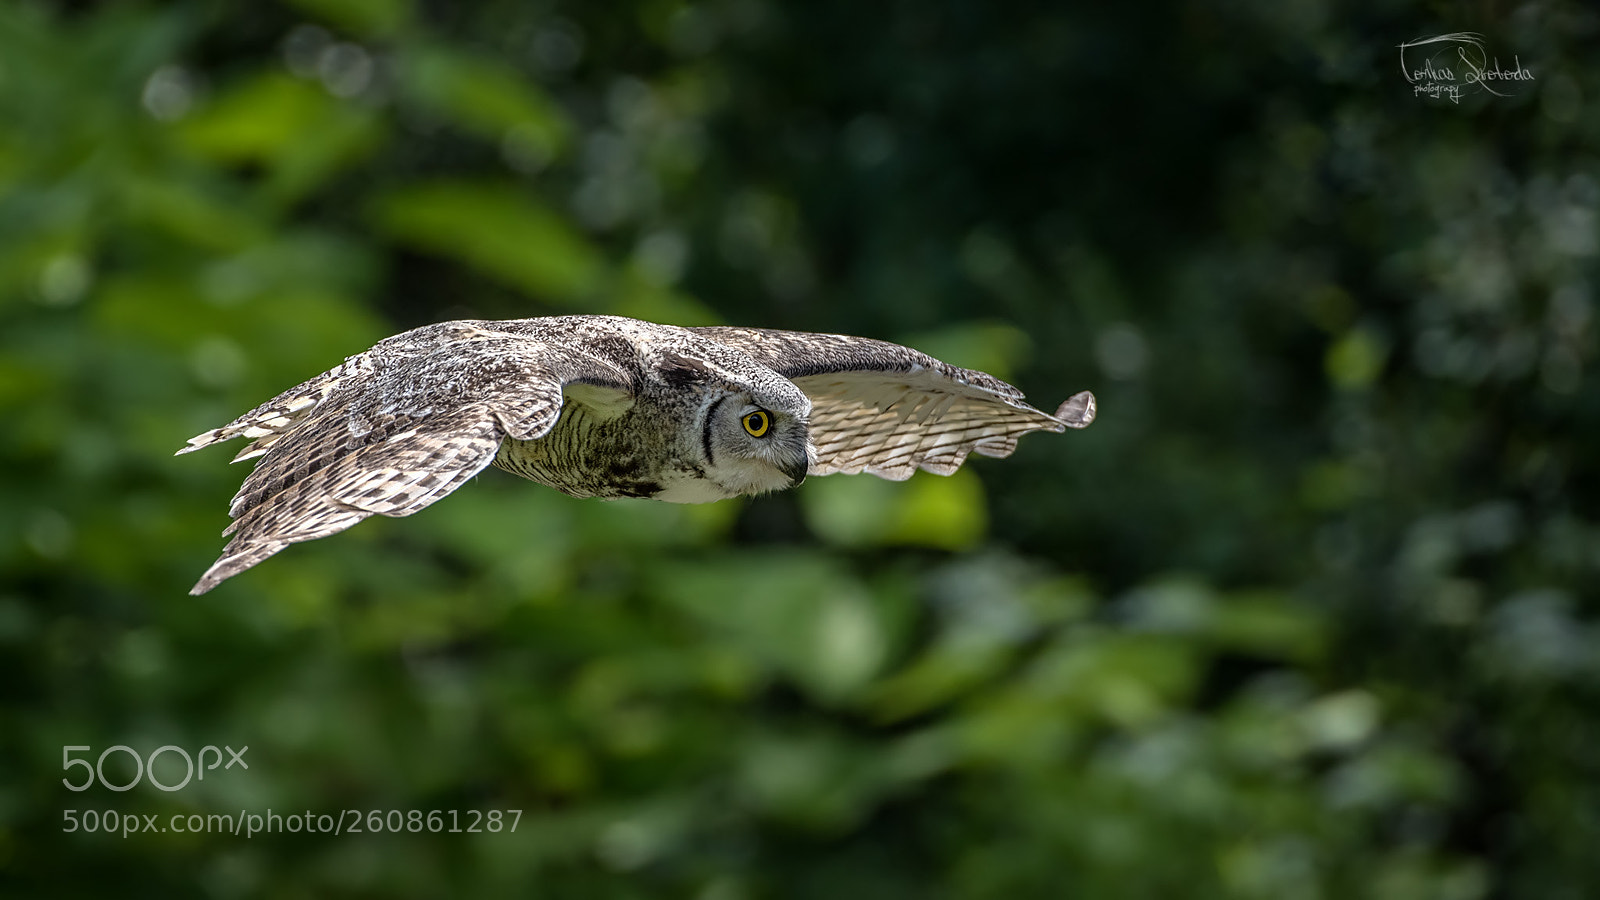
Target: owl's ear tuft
681,371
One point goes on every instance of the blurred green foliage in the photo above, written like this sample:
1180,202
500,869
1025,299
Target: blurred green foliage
1309,613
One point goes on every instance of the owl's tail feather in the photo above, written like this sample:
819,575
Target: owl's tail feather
235,560
1078,411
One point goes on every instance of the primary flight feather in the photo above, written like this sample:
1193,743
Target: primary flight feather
603,406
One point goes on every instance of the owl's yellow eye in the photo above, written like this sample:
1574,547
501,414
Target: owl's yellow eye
757,423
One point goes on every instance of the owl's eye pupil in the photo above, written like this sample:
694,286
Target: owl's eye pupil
756,424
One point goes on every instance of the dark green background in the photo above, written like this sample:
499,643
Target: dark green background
1310,612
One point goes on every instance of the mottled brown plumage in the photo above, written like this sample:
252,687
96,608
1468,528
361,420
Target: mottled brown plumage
602,406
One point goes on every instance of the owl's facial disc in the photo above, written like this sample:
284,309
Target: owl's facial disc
751,449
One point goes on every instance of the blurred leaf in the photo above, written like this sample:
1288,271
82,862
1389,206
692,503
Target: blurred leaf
191,214
1271,625
1355,360
995,347
1263,623
993,608
498,230
1340,721
517,536
374,18
249,349
641,298
637,524
947,671
813,780
485,97
293,128
799,613
948,512
1127,679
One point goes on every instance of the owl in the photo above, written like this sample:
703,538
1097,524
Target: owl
602,406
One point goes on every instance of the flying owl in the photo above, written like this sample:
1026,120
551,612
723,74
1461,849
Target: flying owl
603,406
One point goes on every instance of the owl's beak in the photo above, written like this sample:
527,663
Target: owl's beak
796,471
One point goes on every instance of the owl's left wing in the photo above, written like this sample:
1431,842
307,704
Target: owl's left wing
393,429
889,410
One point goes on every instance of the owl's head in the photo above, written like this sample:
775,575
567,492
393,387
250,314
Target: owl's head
755,442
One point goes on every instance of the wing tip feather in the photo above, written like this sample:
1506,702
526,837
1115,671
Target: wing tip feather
200,441
1078,411
232,563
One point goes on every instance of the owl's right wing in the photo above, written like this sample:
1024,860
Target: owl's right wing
394,429
889,410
